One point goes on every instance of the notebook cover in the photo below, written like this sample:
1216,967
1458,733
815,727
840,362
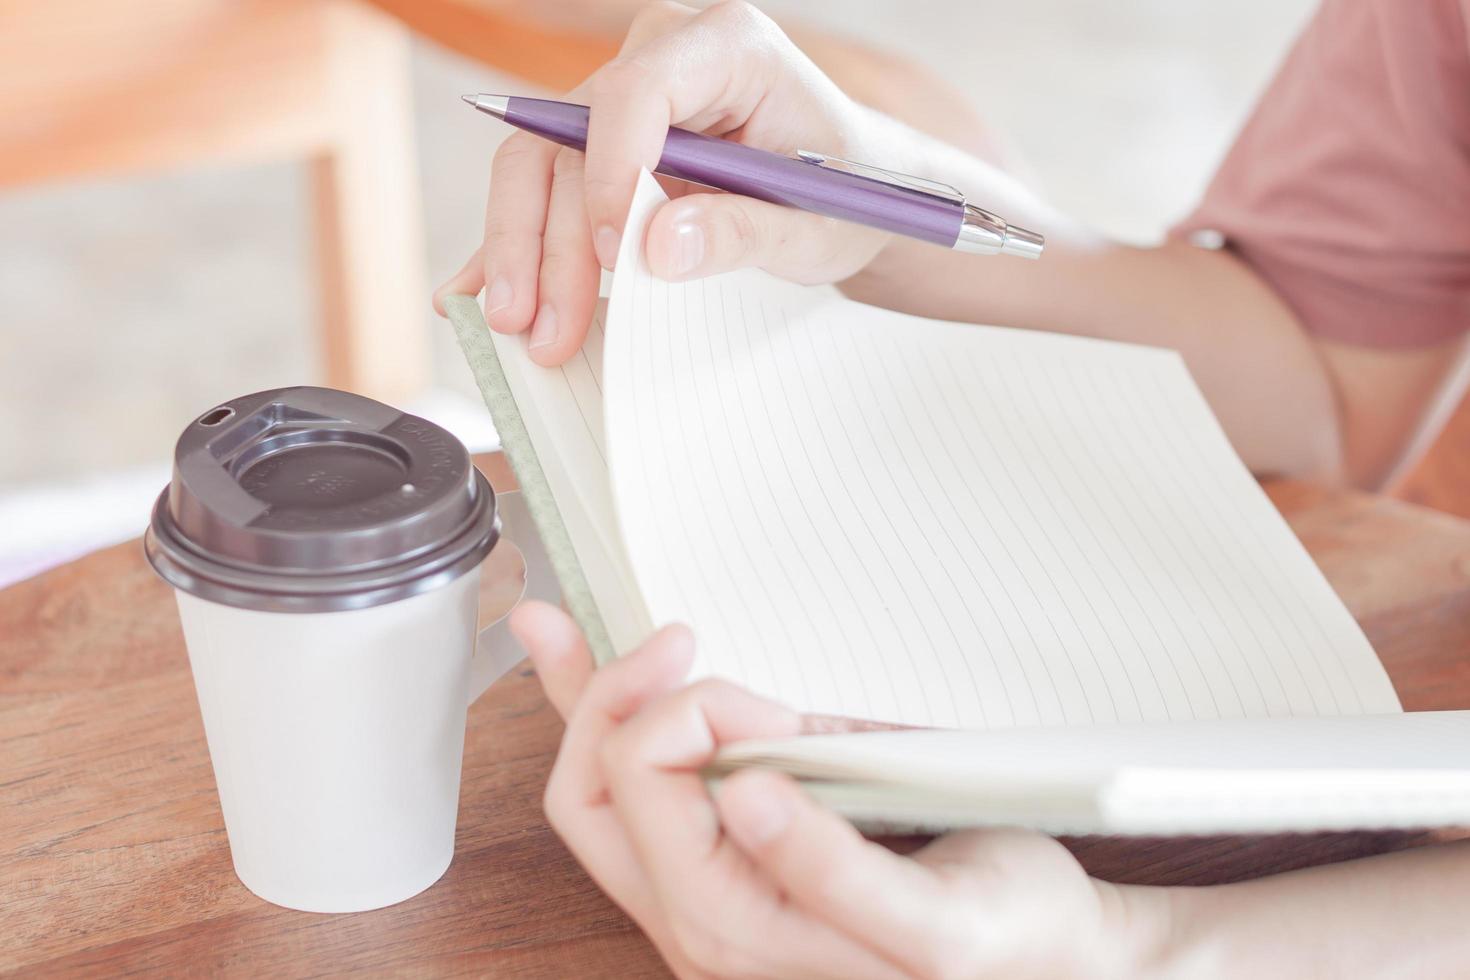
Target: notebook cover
479,352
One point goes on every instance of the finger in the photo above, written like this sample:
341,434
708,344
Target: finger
567,291
557,649
515,218
826,868
654,20
693,75
680,733
727,918
614,694
468,281
576,797
703,234
834,724
652,766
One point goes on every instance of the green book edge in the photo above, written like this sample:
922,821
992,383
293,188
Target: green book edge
479,352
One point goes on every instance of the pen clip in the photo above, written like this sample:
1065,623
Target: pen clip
892,177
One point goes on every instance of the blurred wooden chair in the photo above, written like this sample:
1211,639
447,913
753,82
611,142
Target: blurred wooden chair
122,86
105,87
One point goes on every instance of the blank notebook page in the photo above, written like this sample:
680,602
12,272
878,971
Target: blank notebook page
562,410
875,515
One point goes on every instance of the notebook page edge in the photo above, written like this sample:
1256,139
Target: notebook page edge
475,339
576,487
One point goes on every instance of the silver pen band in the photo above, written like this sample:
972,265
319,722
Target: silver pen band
983,233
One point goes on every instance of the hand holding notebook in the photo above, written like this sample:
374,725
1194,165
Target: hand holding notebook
869,514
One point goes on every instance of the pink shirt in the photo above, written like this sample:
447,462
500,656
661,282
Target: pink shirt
1349,188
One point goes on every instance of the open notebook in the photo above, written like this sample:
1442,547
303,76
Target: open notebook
869,514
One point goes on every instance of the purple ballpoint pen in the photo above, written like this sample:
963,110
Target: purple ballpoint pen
909,206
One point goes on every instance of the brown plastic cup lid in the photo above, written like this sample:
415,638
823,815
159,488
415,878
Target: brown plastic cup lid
314,500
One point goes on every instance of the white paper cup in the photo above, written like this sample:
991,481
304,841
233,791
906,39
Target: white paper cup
336,740
330,617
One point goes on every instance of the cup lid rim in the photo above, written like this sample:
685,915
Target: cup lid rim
312,499
313,590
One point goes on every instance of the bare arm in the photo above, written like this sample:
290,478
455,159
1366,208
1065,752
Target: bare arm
1396,915
1291,404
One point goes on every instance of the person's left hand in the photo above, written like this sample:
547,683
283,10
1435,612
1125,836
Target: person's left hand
764,882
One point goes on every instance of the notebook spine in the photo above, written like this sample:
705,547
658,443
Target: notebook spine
479,349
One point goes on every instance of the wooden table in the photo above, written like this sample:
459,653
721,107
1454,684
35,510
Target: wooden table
113,855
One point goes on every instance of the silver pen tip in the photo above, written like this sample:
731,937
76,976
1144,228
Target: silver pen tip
495,105
1023,243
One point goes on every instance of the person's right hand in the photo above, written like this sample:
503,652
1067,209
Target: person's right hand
764,882
555,215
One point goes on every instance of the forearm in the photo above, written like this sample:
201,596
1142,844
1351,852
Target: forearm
1256,366
1396,915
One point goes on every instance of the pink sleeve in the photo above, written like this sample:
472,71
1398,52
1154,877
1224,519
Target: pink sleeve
1348,191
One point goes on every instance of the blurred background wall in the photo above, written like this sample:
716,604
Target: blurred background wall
134,297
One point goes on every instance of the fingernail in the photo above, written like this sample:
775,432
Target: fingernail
762,816
543,331
606,243
688,247
498,297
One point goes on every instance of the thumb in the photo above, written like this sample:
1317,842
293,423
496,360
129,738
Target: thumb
826,868
557,650
704,234
469,280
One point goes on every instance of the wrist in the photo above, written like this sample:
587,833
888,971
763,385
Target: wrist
1160,933
1141,932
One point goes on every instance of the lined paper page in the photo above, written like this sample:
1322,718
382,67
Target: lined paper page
562,410
881,516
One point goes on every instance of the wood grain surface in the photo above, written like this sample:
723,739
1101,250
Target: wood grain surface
113,855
